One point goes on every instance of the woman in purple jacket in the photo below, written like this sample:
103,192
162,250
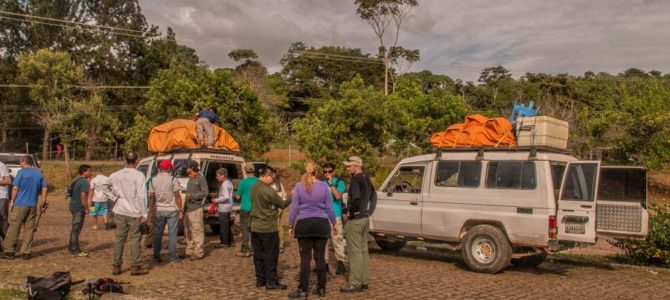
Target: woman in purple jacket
310,222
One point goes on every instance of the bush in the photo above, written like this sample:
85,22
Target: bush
655,249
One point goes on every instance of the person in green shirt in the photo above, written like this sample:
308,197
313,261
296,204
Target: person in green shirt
264,229
244,194
79,208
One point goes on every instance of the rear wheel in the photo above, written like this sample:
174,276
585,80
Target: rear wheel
391,245
486,249
530,260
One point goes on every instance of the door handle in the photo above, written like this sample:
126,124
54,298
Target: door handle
586,206
414,203
569,210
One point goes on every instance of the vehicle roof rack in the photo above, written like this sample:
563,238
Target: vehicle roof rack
480,150
203,150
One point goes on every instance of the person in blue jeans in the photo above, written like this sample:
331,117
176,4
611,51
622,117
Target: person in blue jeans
167,206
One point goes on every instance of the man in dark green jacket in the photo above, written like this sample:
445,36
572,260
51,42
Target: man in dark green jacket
264,230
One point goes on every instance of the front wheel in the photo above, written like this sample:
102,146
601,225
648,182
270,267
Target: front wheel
486,249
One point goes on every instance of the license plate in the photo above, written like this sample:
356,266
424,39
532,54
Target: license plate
575,228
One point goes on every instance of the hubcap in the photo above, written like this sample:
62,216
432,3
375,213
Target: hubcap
484,250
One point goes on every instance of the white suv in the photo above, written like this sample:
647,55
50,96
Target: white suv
514,205
210,161
11,160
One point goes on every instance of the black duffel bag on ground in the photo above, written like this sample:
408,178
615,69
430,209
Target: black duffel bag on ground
56,286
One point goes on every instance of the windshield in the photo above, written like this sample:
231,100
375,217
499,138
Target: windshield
10,159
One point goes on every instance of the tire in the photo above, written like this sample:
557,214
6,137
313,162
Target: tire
529,261
390,245
486,249
215,228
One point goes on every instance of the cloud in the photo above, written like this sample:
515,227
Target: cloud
456,38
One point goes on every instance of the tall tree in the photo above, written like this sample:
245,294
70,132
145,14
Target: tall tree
386,18
317,73
52,75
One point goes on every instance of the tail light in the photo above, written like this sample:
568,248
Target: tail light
553,229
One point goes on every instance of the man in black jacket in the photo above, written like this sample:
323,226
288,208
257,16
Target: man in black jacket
361,205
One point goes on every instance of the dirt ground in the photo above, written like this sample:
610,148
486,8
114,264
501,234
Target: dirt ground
410,273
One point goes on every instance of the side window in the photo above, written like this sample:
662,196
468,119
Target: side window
511,175
557,170
407,179
143,168
179,169
580,182
622,184
458,173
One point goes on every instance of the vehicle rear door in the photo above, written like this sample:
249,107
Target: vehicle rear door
622,202
576,212
400,201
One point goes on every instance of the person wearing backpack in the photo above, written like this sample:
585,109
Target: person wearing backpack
337,188
79,208
361,205
28,185
164,191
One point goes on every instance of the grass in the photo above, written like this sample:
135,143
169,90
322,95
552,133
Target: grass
12,294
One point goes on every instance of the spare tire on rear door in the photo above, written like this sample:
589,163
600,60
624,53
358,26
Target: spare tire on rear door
485,249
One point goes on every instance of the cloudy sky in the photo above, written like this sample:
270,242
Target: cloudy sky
456,38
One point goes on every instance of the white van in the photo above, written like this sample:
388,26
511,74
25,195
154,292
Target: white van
210,160
508,205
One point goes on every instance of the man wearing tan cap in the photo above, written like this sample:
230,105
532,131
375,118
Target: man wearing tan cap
361,205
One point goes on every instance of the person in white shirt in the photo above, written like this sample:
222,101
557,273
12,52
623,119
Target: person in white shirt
5,182
224,206
97,199
130,211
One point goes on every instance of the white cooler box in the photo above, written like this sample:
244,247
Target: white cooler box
548,132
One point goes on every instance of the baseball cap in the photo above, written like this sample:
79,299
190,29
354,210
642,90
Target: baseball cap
165,165
353,161
249,167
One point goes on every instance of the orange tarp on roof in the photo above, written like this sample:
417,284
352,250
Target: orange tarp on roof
181,134
476,131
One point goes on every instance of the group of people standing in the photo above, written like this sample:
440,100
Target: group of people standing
317,216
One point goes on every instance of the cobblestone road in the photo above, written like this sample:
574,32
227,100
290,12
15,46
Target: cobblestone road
408,274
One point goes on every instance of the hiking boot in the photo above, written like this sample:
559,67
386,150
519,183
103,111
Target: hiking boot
349,288
341,269
157,260
116,270
243,254
26,256
138,271
297,294
7,255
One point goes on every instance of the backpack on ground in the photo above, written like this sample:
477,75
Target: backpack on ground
100,286
55,287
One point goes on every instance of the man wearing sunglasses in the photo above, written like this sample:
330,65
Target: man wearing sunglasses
337,189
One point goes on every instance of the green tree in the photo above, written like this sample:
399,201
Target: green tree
52,75
317,73
179,92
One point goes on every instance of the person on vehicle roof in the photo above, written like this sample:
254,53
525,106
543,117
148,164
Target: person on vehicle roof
204,126
361,205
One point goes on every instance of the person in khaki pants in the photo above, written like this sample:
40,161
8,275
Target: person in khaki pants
27,185
194,228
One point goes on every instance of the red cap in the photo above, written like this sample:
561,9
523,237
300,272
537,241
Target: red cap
165,165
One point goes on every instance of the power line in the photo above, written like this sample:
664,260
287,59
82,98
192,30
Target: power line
93,87
314,53
70,22
78,27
